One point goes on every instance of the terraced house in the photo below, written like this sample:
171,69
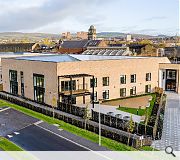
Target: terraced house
81,79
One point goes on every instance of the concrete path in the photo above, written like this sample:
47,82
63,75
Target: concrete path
107,108
171,126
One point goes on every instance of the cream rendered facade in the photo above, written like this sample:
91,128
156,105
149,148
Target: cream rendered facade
112,68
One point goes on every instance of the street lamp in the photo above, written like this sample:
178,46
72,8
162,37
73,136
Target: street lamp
99,123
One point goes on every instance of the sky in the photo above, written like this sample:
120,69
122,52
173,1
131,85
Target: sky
151,17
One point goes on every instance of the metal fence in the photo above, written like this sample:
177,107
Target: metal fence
139,129
72,109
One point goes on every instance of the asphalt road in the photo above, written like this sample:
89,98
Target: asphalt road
34,138
34,135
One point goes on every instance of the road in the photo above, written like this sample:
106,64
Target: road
34,135
34,138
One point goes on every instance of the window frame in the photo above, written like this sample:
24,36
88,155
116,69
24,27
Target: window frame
105,81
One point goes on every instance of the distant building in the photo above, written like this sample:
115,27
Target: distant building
128,37
66,35
79,46
92,33
82,35
172,52
16,47
108,51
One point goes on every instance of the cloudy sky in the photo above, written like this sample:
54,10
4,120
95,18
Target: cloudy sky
56,16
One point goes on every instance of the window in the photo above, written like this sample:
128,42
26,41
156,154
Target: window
13,82
106,94
133,78
66,85
93,83
171,74
122,92
148,88
22,83
95,96
39,89
133,91
123,79
105,81
148,76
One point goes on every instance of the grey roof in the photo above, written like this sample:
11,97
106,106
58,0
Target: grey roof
76,57
74,44
80,43
50,58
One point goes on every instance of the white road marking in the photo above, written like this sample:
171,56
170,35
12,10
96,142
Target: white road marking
57,125
60,129
16,133
38,122
74,142
9,136
4,109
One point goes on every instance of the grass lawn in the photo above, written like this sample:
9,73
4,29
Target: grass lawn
148,148
141,112
7,145
106,142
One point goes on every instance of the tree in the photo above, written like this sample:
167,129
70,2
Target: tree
130,128
87,115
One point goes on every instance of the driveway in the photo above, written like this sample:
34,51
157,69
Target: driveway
171,126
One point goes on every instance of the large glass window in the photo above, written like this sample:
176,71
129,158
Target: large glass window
133,78
148,76
66,85
13,82
106,94
105,81
171,74
122,92
122,79
39,89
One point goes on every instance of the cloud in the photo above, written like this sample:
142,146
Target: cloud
38,14
155,18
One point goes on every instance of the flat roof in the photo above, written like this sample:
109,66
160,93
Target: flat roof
75,57
50,58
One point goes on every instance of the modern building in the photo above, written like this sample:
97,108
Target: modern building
11,54
76,78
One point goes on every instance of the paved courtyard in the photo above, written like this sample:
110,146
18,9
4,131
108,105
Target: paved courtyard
171,127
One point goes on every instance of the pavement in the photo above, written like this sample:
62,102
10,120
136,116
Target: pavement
34,135
107,108
171,125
